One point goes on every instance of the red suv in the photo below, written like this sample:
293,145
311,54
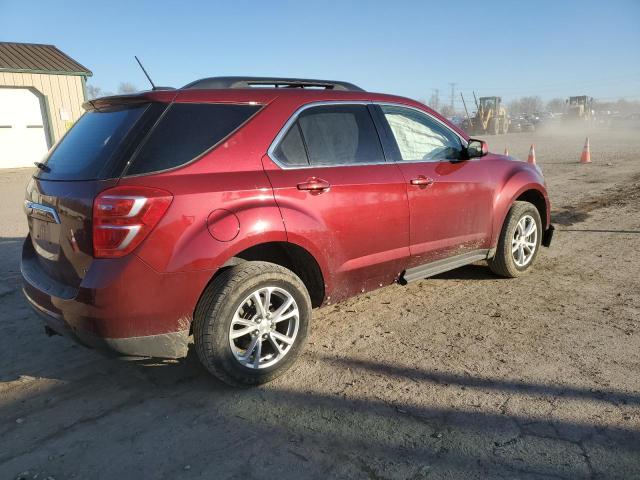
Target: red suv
231,207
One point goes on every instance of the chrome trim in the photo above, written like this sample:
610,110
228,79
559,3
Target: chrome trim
294,117
392,104
138,203
50,213
132,232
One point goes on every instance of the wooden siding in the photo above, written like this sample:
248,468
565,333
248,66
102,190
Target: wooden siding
64,92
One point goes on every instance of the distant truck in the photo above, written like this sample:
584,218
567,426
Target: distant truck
579,108
490,118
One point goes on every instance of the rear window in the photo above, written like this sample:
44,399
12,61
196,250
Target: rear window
88,149
186,131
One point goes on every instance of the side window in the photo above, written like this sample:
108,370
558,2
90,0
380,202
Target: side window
340,135
419,137
186,131
291,149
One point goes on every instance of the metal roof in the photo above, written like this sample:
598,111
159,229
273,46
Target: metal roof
37,58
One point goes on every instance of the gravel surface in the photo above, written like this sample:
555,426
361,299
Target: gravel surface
462,375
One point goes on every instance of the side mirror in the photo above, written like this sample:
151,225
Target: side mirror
477,148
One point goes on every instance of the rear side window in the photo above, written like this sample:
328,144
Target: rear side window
291,149
340,135
88,150
186,131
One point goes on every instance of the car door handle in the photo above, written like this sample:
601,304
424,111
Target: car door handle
422,181
314,185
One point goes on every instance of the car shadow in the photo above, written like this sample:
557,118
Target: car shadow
177,406
469,272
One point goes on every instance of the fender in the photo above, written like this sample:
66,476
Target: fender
521,178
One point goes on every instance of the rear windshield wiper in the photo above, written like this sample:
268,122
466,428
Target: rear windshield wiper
42,166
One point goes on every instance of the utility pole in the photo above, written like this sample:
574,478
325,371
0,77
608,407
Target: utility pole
435,99
453,92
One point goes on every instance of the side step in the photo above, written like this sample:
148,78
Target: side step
444,265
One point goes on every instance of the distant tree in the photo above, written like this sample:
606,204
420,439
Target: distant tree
127,87
531,104
555,105
93,91
434,101
514,107
525,105
446,111
622,106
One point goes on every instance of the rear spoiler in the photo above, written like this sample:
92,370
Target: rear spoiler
163,95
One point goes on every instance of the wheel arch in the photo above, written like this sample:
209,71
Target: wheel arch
536,198
522,186
286,254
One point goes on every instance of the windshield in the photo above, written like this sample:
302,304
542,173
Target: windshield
487,103
87,149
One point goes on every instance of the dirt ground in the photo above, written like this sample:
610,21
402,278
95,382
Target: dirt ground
464,375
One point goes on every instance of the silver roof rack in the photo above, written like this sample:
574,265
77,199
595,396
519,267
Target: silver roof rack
274,82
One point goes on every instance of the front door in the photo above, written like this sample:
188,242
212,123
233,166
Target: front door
339,198
449,199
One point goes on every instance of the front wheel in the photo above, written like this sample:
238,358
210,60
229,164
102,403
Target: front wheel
252,323
494,126
519,241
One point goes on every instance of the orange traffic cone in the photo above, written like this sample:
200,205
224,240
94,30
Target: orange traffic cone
532,155
586,153
506,151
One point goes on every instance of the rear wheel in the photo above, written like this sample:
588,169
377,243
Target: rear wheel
505,125
252,323
519,241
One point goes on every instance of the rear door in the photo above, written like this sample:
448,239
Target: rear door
449,199
339,197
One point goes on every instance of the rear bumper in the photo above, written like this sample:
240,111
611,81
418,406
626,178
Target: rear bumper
121,305
166,345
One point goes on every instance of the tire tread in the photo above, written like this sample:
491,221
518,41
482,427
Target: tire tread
502,263
212,300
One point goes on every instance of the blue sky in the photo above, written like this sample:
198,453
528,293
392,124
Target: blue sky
510,48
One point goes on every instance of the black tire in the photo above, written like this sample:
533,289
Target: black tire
212,320
505,126
494,126
503,263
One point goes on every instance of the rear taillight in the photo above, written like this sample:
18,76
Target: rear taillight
124,216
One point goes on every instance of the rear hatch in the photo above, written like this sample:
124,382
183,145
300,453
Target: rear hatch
118,136
59,197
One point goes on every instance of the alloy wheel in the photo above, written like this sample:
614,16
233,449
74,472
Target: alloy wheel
264,327
525,241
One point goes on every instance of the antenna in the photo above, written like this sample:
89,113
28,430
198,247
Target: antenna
145,72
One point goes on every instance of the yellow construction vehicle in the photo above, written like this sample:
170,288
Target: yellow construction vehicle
490,118
579,108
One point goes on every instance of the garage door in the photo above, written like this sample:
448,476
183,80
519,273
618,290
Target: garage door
23,139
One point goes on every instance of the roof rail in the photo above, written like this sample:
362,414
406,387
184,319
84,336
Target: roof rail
275,82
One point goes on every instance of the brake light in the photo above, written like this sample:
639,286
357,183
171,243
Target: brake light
124,216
